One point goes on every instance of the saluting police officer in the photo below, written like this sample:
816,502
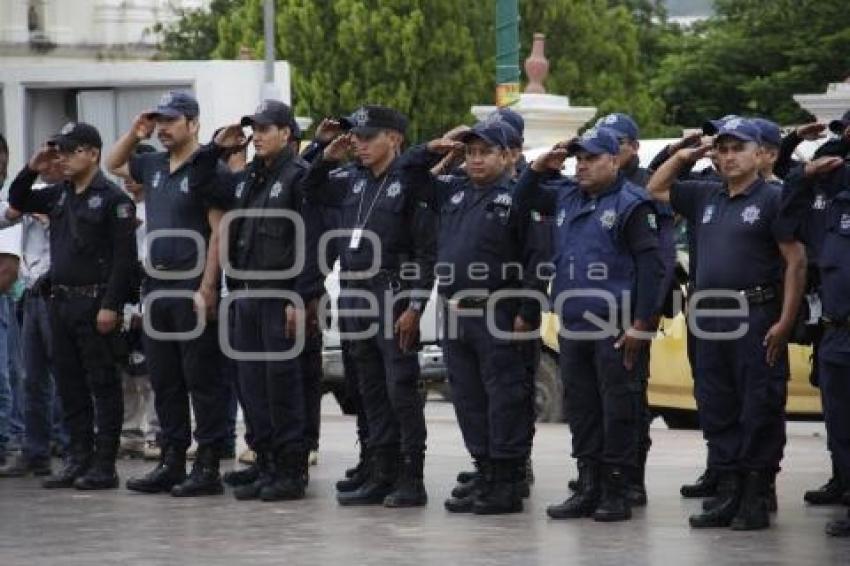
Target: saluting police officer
93,246
484,239
186,281
742,359
392,230
608,271
818,207
267,310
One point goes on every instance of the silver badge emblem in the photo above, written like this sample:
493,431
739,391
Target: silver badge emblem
504,199
239,189
358,186
751,214
184,185
95,202
277,188
820,202
562,216
394,189
457,197
708,214
361,117
157,177
608,218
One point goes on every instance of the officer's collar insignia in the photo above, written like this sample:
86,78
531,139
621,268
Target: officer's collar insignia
394,189
95,202
504,199
67,128
184,185
156,178
845,221
239,188
751,214
361,117
457,197
562,216
277,188
820,202
708,214
608,218
358,186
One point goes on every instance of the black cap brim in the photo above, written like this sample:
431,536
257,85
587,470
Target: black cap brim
365,131
469,135
838,126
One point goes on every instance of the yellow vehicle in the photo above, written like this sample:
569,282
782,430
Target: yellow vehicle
670,383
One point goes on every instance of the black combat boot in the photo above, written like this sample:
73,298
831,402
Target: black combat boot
772,499
502,494
585,500
24,466
705,486
828,494
464,489
290,479
76,465
614,503
265,467
170,471
728,503
476,488
244,476
383,474
753,514
101,474
204,479
409,490
636,485
358,475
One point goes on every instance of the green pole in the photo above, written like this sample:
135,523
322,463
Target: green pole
507,50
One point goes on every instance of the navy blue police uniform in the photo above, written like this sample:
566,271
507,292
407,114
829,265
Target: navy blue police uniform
617,229
741,397
388,376
186,375
492,390
93,246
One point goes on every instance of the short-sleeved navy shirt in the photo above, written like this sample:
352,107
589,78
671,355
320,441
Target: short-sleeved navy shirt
170,205
736,236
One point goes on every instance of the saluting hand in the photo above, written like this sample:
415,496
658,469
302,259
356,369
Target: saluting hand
445,145
230,136
43,158
693,154
143,126
338,149
811,132
327,130
822,165
691,140
552,160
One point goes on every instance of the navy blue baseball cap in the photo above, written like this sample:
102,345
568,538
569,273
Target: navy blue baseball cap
175,104
493,133
596,141
838,126
711,127
513,137
740,129
77,134
769,132
270,113
370,119
513,118
623,124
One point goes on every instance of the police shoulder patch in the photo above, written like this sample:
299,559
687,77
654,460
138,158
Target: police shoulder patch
652,221
124,211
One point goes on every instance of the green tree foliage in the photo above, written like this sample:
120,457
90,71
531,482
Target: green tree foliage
426,58
194,35
753,56
594,52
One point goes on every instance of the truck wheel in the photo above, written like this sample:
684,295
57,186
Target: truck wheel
548,390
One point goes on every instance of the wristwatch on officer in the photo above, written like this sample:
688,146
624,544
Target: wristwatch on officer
416,305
